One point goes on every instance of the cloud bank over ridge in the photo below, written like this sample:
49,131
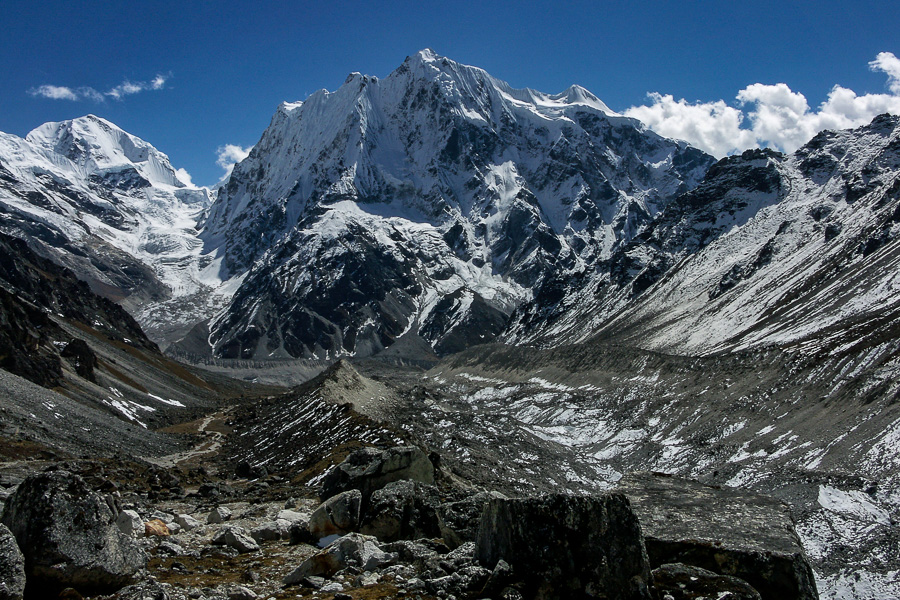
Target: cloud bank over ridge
768,115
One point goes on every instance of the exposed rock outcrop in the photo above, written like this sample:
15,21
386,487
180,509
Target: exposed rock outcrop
724,530
562,547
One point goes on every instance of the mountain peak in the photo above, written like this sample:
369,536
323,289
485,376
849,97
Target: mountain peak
99,146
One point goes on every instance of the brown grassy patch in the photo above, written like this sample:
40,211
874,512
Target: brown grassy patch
13,449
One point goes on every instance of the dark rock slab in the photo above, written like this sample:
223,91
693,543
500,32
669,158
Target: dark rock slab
567,547
69,537
370,469
12,567
460,519
684,582
723,530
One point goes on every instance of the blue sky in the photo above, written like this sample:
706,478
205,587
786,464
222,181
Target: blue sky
221,68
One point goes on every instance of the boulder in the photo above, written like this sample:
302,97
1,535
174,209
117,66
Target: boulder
82,358
403,510
235,537
187,522
460,519
130,523
157,528
723,530
562,546
337,515
370,469
684,582
12,567
69,537
271,531
291,515
353,549
299,534
219,515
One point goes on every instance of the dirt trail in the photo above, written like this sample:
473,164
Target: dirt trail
213,429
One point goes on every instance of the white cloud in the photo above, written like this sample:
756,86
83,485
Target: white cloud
890,64
54,92
184,177
231,154
125,88
712,126
768,115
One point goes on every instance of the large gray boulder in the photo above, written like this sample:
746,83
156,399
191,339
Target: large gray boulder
563,547
12,567
723,530
69,536
337,515
370,469
353,549
403,510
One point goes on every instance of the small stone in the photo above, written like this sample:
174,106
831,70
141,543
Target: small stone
314,582
290,516
271,531
162,516
332,587
367,579
167,547
237,538
241,593
187,522
219,515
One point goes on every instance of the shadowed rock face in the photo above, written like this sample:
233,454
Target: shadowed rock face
724,530
683,582
567,547
69,537
12,567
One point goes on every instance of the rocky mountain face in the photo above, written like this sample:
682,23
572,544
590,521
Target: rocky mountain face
798,251
428,203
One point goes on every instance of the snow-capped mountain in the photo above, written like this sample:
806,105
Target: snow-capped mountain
426,203
798,251
112,208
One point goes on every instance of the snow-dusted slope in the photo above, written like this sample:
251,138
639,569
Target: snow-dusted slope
111,207
428,202
800,250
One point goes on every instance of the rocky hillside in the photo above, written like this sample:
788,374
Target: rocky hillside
798,251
